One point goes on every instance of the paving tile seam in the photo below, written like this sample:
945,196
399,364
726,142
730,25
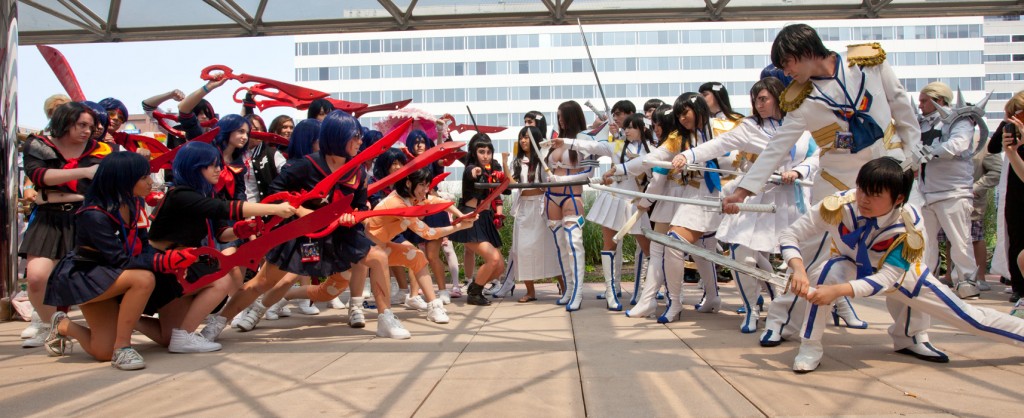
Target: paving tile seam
433,387
719,373
899,390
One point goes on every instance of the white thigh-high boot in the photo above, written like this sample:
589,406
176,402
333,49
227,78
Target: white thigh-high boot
507,282
648,302
710,302
617,268
573,227
560,248
750,288
639,272
610,280
844,309
673,282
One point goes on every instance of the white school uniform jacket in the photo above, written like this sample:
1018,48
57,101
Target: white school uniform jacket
951,173
889,249
611,210
809,109
760,231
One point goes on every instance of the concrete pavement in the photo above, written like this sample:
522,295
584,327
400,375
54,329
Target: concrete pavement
533,360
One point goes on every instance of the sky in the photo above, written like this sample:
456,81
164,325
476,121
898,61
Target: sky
133,71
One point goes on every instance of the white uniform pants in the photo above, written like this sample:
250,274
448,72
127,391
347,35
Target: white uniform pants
953,216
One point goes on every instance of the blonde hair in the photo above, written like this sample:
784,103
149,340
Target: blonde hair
939,90
53,102
1015,104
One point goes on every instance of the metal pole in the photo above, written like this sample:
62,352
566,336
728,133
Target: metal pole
9,147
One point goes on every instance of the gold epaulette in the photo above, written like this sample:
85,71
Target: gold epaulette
793,96
674,142
914,248
832,207
865,55
721,126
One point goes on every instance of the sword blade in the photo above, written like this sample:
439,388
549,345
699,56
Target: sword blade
716,205
781,280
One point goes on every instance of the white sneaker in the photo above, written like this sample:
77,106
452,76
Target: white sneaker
127,359
388,326
437,313
400,297
33,327
336,303
417,303
190,342
305,307
39,339
445,297
251,316
234,321
491,288
356,318
274,312
57,345
214,325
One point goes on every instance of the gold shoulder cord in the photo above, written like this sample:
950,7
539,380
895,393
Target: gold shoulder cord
913,248
865,55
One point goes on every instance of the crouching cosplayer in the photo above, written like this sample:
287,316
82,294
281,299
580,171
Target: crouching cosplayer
877,244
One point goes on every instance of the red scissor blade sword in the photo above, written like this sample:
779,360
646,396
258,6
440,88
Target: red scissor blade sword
61,69
382,107
323,187
438,179
486,203
298,92
484,129
269,137
165,159
407,212
425,159
250,253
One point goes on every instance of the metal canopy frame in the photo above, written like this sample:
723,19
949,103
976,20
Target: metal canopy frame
90,25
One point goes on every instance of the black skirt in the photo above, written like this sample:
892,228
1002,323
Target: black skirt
437,220
51,231
338,251
483,229
166,290
74,281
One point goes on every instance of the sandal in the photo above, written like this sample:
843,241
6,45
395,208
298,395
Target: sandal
527,298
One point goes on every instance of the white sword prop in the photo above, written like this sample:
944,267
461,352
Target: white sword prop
629,224
710,204
540,155
775,178
778,279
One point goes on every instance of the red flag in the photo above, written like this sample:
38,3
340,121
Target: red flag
63,71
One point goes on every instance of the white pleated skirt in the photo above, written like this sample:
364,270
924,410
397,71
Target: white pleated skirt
760,231
612,211
697,218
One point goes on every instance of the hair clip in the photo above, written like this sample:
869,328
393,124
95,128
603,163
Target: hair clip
538,117
693,99
667,112
716,87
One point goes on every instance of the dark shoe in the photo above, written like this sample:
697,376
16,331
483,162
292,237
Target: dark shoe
1014,297
690,276
926,352
475,295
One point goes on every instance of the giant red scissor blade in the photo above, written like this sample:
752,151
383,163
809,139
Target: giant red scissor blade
165,159
63,71
426,158
406,212
386,106
486,203
250,253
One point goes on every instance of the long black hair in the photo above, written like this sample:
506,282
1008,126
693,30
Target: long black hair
636,120
114,183
701,114
663,117
382,164
534,158
539,121
721,95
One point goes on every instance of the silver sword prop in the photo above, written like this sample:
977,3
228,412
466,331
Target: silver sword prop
778,279
537,149
628,226
774,178
713,205
607,109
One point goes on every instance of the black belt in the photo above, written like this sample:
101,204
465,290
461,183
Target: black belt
60,207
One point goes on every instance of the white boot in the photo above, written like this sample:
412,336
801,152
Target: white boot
809,356
610,276
844,309
561,252
711,301
674,283
750,289
574,239
507,281
639,272
648,302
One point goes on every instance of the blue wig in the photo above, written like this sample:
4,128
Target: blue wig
370,137
111,103
772,71
336,130
382,164
101,115
227,125
189,164
417,136
114,182
305,134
